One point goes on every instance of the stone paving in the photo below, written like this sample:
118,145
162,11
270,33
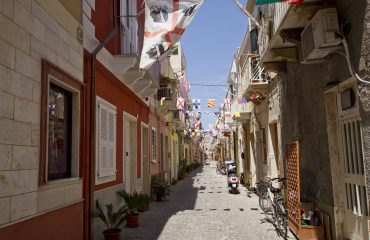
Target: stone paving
200,207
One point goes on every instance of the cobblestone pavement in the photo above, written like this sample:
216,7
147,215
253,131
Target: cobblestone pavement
200,207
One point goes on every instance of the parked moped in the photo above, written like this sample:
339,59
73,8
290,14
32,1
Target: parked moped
232,179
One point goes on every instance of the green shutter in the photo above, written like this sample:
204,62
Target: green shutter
261,2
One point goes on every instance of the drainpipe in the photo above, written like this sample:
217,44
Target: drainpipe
93,122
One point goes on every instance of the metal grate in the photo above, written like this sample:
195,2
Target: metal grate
293,182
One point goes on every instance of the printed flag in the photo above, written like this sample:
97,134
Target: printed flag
180,103
239,101
211,102
165,22
227,104
296,1
227,114
196,103
233,127
255,96
244,100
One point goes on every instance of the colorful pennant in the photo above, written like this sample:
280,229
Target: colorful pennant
180,103
196,103
211,102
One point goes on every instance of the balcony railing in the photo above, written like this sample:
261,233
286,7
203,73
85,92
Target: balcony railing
257,73
254,77
165,93
274,15
277,12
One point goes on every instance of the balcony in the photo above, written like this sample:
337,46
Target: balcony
241,113
166,97
121,55
282,27
257,78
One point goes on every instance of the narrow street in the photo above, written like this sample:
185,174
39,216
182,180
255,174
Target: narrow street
106,105
200,207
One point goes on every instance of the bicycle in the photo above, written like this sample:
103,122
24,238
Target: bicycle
220,169
272,203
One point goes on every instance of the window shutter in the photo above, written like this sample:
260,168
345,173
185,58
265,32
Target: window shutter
111,168
106,141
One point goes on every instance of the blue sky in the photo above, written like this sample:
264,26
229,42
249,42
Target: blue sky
210,43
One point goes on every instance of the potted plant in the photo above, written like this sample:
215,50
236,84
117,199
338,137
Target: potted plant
111,220
132,202
160,189
144,201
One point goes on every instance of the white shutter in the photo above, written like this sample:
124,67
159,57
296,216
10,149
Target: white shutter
111,168
106,145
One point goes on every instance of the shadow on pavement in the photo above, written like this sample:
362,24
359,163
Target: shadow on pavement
183,197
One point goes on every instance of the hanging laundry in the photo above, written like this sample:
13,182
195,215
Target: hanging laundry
162,99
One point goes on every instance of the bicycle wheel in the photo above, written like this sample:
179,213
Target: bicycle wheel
265,204
282,223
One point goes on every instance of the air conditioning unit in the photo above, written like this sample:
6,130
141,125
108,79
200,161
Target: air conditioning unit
320,37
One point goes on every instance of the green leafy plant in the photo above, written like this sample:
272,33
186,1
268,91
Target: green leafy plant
132,201
111,219
160,188
144,201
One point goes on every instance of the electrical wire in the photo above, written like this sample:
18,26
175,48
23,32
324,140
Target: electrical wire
347,56
208,85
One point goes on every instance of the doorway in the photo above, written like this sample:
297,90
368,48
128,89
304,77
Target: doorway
130,151
345,143
144,158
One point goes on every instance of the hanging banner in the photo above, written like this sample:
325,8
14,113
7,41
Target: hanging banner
180,103
165,22
227,104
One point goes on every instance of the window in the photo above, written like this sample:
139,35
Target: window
106,141
154,145
60,131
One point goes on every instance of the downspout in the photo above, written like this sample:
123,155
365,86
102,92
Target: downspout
93,122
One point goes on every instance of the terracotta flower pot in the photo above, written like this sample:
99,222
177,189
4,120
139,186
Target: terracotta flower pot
159,198
112,234
133,221
143,209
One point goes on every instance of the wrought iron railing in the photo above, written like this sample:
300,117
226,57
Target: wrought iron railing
277,13
274,16
257,73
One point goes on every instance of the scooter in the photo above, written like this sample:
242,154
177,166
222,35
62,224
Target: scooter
232,180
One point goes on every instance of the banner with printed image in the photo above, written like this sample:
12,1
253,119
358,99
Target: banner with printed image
165,23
